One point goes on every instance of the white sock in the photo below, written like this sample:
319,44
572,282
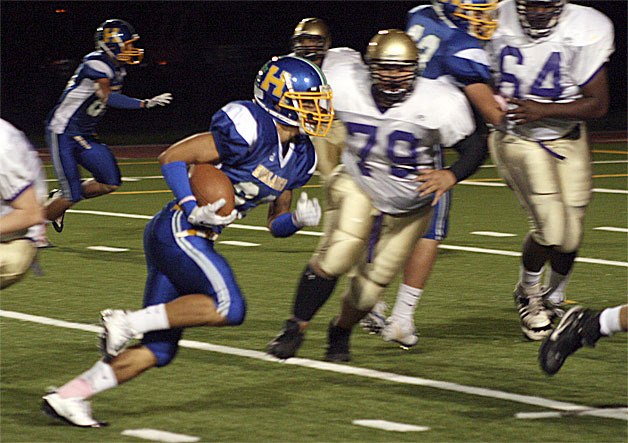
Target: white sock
529,278
151,318
405,304
98,378
558,283
609,321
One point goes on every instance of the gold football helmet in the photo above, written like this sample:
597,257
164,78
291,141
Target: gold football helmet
392,58
311,39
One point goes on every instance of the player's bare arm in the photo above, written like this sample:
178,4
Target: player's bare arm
197,148
279,207
481,97
593,104
26,212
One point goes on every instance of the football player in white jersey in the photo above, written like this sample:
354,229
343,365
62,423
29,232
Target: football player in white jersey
311,40
550,59
70,127
379,201
22,191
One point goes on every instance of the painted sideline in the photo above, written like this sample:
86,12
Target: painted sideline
349,370
595,261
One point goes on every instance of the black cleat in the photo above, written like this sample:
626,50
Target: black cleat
57,223
288,342
577,328
337,343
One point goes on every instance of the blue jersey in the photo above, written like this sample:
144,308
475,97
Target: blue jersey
254,159
447,51
79,109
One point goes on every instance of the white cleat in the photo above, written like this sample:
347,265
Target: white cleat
536,319
401,332
116,333
74,411
374,321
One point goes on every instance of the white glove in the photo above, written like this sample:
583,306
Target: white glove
158,100
308,212
206,215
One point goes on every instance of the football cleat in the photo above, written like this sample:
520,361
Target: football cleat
337,343
287,342
57,223
536,320
401,332
578,327
116,333
374,321
74,411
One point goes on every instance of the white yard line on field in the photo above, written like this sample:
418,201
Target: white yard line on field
595,261
344,369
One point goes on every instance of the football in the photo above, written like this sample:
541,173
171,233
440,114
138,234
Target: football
209,184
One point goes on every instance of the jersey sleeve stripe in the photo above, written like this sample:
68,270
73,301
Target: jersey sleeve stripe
243,121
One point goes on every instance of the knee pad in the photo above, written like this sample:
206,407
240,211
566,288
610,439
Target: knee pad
363,293
163,344
343,251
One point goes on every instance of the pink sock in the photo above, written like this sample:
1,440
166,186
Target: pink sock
79,387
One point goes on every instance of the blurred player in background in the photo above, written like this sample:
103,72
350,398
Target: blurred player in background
450,39
22,192
311,40
378,200
550,59
95,85
577,328
261,148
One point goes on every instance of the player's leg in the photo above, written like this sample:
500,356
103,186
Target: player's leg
98,159
400,325
189,284
329,149
531,172
576,184
389,248
348,219
63,150
577,328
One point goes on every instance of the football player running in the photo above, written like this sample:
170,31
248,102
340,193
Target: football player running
261,146
550,59
22,192
311,40
70,126
450,39
379,200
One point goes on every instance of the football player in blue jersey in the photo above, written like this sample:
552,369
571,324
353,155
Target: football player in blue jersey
70,126
262,146
450,38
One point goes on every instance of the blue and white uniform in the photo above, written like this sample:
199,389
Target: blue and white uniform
451,53
181,259
71,124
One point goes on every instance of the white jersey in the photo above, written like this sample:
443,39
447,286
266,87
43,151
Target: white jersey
551,69
20,167
384,150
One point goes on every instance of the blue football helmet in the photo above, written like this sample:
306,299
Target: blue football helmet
475,17
539,17
116,37
294,91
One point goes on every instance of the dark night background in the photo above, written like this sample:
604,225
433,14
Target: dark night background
205,52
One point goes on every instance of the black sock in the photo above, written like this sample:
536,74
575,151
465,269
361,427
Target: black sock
312,293
534,255
562,262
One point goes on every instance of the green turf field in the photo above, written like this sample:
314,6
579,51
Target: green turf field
471,372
